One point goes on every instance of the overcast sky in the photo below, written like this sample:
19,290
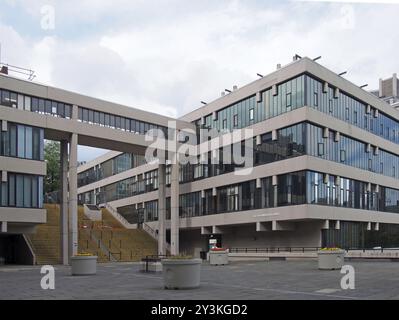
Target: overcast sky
167,56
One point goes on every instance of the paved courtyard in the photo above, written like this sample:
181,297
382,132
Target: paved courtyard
239,280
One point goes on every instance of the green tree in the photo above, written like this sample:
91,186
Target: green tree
52,158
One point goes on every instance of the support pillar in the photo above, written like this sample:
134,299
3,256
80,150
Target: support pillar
73,195
64,203
174,207
161,209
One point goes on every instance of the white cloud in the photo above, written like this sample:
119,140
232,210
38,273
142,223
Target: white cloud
166,56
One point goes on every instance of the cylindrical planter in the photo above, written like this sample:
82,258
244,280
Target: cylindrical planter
331,259
218,257
181,273
83,265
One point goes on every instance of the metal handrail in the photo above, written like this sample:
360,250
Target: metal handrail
273,249
302,249
153,258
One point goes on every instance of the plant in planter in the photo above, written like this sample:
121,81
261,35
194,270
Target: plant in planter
84,264
331,258
181,272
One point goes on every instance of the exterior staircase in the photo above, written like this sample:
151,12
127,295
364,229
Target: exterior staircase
46,241
109,239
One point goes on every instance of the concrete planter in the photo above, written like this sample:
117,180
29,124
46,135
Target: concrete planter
219,257
331,259
181,273
84,265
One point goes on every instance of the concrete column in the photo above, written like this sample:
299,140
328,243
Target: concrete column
161,208
174,207
4,226
73,195
64,203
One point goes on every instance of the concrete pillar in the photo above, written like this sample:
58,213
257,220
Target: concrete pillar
174,207
4,226
216,230
73,195
64,203
4,125
206,230
325,225
263,226
4,176
161,208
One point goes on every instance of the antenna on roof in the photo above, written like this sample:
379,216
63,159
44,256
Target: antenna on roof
8,68
342,73
259,75
317,58
204,103
363,86
227,90
296,57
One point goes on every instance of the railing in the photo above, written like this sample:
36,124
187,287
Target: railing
153,258
303,249
154,234
374,249
119,217
274,250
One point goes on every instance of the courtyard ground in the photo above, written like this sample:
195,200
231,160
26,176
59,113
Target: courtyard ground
238,280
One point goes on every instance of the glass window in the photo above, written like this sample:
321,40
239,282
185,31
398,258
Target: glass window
35,104
28,143
54,107
5,98
35,192
343,156
288,100
41,106
96,117
27,191
251,114
20,102
48,106
91,116
85,114
315,99
13,99
13,140
330,106
61,110
68,111
21,141
11,190
19,191
320,149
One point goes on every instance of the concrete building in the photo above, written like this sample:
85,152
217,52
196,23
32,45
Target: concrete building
389,91
325,164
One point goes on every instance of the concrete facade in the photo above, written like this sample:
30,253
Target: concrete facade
294,225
